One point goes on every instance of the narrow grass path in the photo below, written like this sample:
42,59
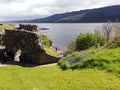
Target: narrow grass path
53,78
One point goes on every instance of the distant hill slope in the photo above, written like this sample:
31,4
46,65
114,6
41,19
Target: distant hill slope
103,14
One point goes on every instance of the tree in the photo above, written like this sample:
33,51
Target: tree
107,30
116,39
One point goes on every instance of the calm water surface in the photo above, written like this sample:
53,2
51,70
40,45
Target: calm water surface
61,34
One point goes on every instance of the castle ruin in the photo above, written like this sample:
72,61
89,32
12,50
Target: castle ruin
27,39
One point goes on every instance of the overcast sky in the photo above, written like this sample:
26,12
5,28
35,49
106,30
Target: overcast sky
30,9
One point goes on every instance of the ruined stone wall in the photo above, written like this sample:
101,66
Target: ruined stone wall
1,54
0,38
28,27
30,45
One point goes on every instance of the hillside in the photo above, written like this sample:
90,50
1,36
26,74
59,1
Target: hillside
84,16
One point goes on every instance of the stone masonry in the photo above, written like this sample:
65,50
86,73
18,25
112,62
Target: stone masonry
30,45
28,27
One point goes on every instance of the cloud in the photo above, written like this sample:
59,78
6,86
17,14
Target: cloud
9,1
30,9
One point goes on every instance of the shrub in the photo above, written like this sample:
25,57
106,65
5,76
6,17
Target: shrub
46,41
107,30
85,41
116,40
71,46
100,39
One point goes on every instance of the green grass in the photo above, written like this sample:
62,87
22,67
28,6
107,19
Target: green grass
107,59
53,78
104,59
64,63
50,51
2,47
10,26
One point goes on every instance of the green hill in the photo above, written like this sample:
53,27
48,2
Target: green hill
84,16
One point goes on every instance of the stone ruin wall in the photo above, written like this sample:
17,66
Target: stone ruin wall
30,45
28,27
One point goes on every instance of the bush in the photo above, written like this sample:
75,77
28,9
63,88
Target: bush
100,39
46,41
107,30
71,46
85,41
116,40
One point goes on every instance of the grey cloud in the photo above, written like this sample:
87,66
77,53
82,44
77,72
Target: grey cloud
84,4
10,1
29,9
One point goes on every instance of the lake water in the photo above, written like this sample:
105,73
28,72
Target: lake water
62,33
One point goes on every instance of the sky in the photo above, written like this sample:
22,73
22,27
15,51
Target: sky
32,9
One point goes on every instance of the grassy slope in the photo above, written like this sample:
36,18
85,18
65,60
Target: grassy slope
105,59
7,26
53,78
50,51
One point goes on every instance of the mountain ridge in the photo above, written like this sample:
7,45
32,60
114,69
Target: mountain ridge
96,15
103,14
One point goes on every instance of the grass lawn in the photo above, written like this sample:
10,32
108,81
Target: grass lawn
53,78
